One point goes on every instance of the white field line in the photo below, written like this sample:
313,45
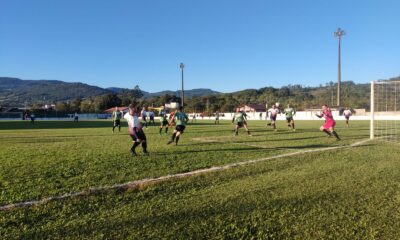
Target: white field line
147,181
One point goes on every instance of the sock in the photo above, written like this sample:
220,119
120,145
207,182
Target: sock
144,146
248,132
166,130
113,129
177,140
236,132
173,137
135,144
327,132
336,135
160,130
119,128
293,125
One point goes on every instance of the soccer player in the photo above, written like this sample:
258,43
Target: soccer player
152,118
347,113
329,126
239,118
194,117
289,113
273,113
116,117
163,120
143,114
32,116
216,117
76,117
180,119
135,130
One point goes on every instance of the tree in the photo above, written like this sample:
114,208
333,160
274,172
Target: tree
62,107
87,106
107,101
76,105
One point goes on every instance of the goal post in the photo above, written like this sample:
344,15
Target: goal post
385,110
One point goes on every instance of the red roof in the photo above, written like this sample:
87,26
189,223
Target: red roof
111,110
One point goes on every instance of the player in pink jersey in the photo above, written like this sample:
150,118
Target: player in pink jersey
329,126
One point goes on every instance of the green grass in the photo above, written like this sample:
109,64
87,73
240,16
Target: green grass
351,193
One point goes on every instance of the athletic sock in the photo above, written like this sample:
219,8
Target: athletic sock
236,132
160,130
166,130
144,146
336,135
177,140
113,129
248,132
327,132
135,144
293,126
173,137
119,128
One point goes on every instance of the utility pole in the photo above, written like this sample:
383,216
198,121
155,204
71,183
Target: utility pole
339,33
183,91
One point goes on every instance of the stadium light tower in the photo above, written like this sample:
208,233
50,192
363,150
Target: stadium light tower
339,33
182,66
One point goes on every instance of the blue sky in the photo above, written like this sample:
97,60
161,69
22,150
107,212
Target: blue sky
226,45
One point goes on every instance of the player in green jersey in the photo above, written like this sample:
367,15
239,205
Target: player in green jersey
239,118
163,120
180,119
116,117
289,113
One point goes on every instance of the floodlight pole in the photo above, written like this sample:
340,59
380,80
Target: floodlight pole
372,112
182,66
339,33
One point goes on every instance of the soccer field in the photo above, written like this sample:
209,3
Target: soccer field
340,191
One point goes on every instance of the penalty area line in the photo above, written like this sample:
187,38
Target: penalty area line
148,181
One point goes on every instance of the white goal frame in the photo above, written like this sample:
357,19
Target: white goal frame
389,103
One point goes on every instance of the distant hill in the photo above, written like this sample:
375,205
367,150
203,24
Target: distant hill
14,91
188,93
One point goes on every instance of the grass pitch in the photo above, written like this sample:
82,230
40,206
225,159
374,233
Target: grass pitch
350,193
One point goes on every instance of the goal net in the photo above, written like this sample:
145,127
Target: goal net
385,110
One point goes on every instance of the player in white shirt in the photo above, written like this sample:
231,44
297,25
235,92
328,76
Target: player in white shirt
347,113
135,130
273,113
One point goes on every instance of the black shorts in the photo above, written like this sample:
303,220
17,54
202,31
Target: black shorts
347,117
140,134
240,124
180,128
164,123
289,119
273,118
117,122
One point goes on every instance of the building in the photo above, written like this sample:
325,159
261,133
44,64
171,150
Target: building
252,108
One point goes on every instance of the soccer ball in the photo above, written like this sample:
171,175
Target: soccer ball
277,104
